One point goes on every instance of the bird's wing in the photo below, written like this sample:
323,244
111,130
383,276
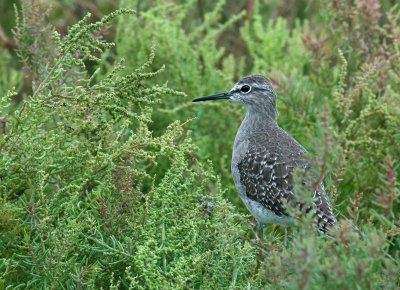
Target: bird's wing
267,169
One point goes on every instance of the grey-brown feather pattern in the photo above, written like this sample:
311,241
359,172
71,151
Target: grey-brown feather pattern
266,172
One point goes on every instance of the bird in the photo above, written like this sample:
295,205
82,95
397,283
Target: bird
265,158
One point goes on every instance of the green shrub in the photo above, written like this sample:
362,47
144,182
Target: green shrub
79,207
187,44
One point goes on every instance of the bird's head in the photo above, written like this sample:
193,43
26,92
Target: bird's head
254,91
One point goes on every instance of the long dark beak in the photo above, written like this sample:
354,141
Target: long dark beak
213,97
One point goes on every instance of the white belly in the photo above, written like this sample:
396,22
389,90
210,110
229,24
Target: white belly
264,215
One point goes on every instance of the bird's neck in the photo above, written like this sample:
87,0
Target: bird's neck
253,122
259,119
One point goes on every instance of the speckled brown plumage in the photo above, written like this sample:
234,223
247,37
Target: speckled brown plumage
266,171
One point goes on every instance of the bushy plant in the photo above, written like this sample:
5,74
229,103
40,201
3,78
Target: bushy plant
79,208
188,45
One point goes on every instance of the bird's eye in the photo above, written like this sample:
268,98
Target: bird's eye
245,89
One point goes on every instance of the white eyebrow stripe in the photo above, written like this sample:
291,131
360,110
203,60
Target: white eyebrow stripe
252,85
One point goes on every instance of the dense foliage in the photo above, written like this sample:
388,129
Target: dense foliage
111,178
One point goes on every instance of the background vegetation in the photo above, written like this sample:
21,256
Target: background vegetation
111,178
